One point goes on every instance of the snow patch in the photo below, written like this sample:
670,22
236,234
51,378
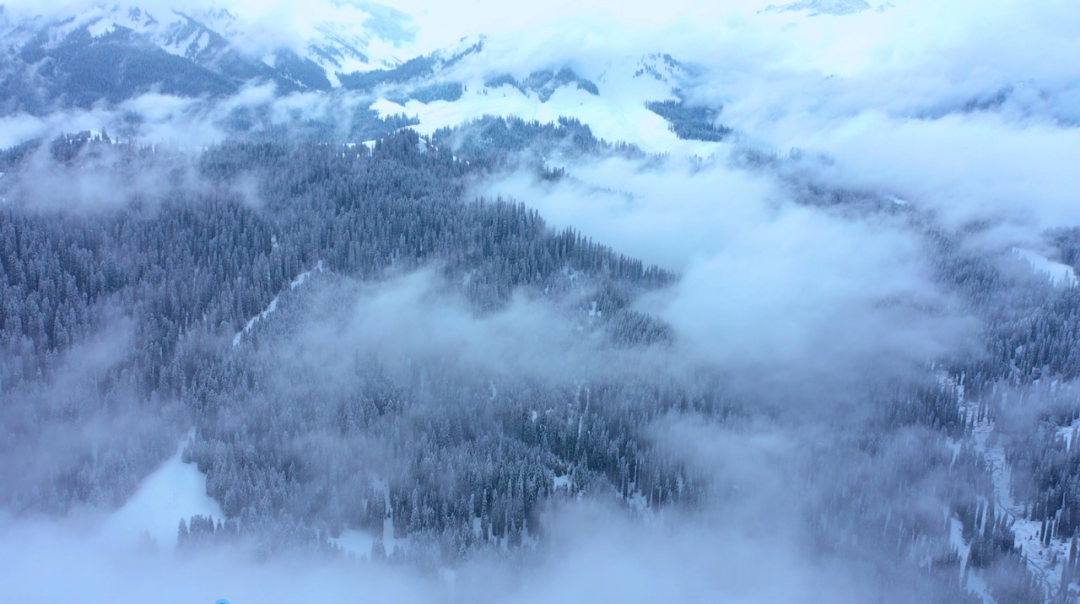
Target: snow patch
978,586
956,539
201,43
300,279
389,542
1068,433
593,312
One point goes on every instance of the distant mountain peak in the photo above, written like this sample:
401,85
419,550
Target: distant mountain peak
224,49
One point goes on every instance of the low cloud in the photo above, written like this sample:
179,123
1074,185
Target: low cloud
770,289
964,167
599,558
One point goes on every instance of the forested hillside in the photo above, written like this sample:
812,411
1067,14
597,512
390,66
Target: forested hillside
244,312
479,302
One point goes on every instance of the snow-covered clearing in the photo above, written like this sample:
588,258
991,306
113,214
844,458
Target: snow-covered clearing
175,491
358,543
1059,274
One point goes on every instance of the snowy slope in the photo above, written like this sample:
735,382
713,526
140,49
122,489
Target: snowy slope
175,32
204,36
616,113
359,543
366,55
1044,561
344,48
175,491
1059,274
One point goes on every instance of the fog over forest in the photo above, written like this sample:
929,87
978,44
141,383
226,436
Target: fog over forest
595,301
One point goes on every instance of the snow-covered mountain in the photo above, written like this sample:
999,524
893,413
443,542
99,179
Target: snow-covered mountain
637,100
294,288
116,51
108,56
